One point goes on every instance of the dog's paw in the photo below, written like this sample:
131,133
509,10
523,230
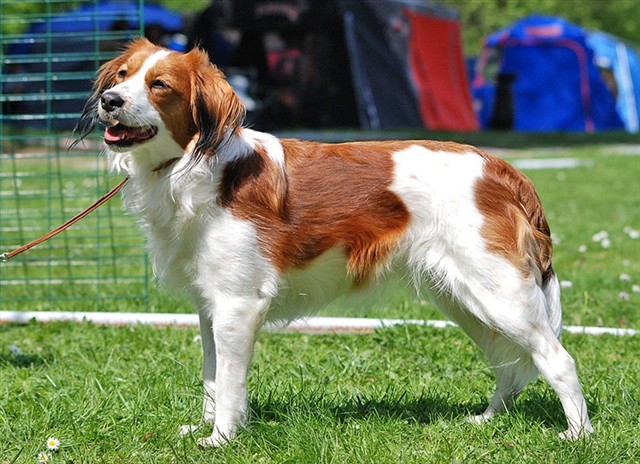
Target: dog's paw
572,433
215,440
478,419
189,429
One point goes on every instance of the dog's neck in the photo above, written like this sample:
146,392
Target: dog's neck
167,172
155,158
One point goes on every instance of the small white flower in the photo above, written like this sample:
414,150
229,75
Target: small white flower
625,278
582,249
15,350
566,284
43,457
197,339
600,236
606,243
635,288
53,443
634,234
624,296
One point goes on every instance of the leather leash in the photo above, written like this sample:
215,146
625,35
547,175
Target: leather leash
110,194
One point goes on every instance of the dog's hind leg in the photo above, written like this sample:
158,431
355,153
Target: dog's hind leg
513,369
558,368
512,366
517,309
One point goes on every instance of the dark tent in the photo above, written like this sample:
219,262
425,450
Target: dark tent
377,63
539,74
374,63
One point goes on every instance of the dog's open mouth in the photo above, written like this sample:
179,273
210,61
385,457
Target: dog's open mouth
125,136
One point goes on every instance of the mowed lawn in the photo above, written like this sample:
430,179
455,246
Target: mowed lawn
119,394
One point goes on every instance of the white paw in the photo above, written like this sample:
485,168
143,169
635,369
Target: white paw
479,419
189,429
573,433
215,440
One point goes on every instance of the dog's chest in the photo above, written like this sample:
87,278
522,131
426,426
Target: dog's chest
174,226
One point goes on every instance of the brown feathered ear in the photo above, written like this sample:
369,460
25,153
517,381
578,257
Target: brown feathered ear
216,109
106,78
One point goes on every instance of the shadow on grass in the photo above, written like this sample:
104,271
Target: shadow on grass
392,404
429,407
21,360
18,358
545,408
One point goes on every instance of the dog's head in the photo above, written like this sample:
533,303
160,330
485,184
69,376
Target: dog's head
153,96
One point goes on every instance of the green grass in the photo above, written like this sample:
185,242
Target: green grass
115,395
580,203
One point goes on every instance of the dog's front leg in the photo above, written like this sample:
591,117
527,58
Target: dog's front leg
236,325
208,372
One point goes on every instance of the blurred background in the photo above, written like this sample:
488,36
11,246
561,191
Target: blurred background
448,65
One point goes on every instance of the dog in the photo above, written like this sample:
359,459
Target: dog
255,228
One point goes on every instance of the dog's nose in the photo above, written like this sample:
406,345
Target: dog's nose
110,101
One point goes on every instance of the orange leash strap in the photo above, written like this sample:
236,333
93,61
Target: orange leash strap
110,194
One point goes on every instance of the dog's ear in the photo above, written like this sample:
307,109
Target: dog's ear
216,109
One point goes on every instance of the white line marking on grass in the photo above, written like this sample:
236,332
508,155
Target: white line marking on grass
551,163
312,325
70,281
11,193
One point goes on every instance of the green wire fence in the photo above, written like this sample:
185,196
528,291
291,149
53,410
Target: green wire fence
50,52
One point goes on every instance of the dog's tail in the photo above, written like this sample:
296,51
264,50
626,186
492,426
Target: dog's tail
540,250
551,290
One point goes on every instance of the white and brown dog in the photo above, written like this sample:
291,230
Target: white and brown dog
257,228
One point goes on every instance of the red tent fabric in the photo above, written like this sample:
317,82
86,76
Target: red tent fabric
439,74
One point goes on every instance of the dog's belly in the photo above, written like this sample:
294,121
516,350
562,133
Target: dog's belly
327,282
303,291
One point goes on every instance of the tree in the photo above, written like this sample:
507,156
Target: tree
480,18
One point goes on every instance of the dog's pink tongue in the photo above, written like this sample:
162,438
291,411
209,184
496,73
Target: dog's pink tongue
115,133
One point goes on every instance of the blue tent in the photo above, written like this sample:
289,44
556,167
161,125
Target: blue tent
623,62
539,74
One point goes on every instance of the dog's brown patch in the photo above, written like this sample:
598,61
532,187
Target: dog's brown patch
328,196
515,225
173,101
129,61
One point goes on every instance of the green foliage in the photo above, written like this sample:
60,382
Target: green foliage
480,18
29,10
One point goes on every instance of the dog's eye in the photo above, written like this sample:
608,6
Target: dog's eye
158,84
122,73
